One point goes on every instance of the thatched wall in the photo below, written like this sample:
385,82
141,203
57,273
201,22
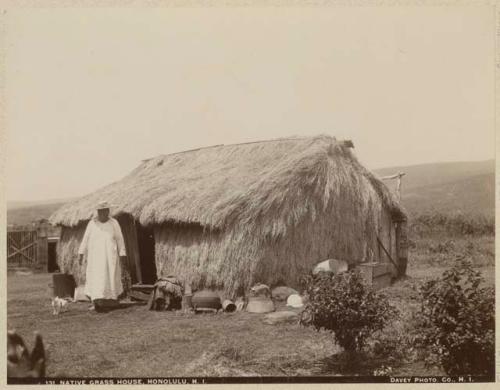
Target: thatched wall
67,252
233,260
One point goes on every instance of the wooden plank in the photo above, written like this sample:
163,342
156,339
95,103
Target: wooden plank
387,253
20,252
142,288
42,251
22,246
10,236
397,176
402,246
139,295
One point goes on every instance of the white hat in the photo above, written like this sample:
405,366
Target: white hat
103,205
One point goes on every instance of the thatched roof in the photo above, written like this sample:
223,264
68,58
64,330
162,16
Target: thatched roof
225,184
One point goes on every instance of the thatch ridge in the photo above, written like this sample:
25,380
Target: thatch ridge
280,181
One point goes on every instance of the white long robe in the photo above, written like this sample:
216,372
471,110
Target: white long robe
103,243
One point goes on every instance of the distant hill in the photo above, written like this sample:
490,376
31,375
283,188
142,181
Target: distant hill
23,215
24,204
461,187
467,187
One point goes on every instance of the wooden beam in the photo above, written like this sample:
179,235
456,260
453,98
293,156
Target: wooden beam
387,253
137,259
397,176
402,246
21,252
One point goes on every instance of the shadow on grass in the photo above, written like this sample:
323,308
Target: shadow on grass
118,306
348,364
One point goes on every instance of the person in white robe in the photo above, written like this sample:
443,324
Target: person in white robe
104,247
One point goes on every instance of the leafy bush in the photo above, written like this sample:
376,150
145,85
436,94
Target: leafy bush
457,322
344,304
389,345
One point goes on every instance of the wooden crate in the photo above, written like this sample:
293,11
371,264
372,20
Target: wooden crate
376,275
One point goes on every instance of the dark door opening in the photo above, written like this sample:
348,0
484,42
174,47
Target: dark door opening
52,257
146,243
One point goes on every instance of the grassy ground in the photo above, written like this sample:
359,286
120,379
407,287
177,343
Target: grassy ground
135,342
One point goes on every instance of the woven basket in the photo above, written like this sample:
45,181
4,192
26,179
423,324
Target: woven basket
260,305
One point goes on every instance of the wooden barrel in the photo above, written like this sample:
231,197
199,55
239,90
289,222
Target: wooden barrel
63,285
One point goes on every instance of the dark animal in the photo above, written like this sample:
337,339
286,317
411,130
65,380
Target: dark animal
20,362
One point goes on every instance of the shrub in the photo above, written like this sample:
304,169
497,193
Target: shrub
457,322
389,345
344,304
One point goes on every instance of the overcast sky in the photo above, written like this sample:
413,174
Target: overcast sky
92,92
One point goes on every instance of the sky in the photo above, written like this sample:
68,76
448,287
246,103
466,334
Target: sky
91,92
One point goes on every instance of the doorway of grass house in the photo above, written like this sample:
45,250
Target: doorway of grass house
52,257
146,244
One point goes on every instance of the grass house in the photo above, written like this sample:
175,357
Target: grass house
229,216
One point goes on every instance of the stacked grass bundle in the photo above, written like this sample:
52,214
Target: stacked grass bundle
228,217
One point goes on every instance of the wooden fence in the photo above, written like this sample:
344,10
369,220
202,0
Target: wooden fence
28,245
22,248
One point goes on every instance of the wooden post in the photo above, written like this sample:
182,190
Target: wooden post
42,247
402,246
127,224
137,258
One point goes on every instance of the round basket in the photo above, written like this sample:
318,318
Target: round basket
260,305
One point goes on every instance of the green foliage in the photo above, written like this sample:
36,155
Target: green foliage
344,304
457,322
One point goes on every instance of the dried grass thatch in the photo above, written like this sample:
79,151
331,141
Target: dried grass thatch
231,216
67,252
217,186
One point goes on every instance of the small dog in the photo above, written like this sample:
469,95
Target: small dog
59,305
